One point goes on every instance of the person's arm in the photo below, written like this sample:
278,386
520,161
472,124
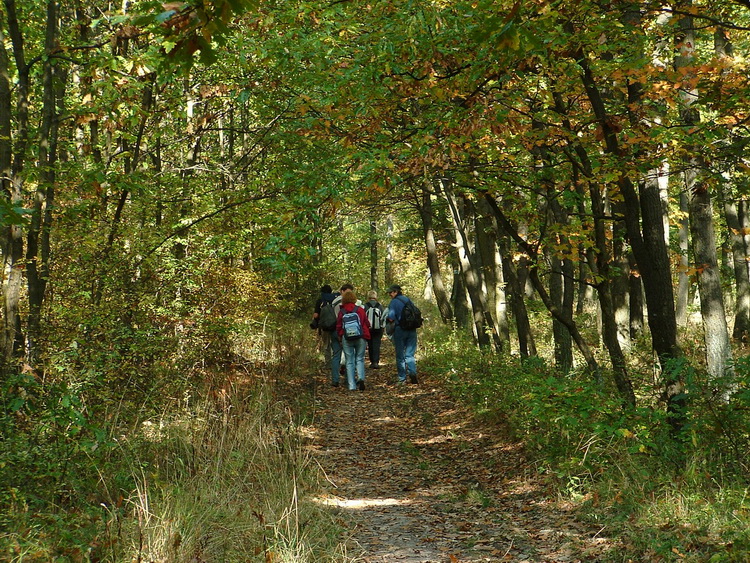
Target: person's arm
396,306
365,323
340,323
318,305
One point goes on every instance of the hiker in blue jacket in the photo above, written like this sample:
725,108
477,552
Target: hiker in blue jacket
404,341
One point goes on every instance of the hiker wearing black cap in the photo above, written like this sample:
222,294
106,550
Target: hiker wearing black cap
404,340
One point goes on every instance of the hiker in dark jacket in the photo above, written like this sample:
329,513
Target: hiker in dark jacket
329,342
375,314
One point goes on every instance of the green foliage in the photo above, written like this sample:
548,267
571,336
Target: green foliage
214,467
57,463
674,499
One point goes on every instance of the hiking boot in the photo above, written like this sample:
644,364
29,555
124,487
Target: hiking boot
413,378
335,384
342,370
361,384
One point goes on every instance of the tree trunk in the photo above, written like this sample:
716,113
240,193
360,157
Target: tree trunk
599,263
515,296
568,322
621,279
716,334
683,275
486,247
486,332
12,337
735,216
740,260
644,223
374,255
37,253
635,302
433,260
458,297
388,265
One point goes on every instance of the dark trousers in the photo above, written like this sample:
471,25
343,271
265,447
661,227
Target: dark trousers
373,346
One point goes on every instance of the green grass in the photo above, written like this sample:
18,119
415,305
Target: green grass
222,475
659,497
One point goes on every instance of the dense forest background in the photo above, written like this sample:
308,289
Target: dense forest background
565,184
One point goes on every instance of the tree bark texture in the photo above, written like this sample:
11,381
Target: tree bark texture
482,320
433,260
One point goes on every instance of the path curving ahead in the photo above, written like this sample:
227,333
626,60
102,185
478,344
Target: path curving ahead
417,479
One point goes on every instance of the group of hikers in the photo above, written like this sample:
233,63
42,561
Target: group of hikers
348,328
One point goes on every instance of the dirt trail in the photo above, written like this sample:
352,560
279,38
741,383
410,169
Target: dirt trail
418,479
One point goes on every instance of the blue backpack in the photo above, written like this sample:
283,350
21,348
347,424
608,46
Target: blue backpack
352,325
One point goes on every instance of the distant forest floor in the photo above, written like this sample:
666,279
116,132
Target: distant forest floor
415,477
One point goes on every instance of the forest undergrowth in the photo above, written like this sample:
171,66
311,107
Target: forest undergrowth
666,497
220,473
216,473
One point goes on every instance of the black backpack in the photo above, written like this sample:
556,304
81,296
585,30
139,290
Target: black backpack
411,316
327,320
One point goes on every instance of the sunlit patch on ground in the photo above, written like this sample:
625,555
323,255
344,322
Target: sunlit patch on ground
358,504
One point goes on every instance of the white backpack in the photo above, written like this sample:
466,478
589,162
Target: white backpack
375,316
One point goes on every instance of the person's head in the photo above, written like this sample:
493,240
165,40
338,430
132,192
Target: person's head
373,295
348,297
346,287
326,289
394,290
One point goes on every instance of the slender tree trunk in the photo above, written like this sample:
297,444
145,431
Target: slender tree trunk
515,295
374,255
568,322
388,265
486,247
433,260
481,318
37,254
496,268
636,302
740,260
10,308
12,338
621,280
716,333
600,265
735,215
683,274
458,297
645,228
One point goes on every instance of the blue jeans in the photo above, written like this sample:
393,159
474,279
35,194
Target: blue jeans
335,357
405,342
355,360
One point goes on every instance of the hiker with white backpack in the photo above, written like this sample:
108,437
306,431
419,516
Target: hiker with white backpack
375,315
353,329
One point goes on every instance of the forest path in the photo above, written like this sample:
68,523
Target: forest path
416,478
